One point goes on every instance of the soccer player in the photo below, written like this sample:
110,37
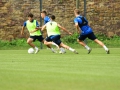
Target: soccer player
53,32
87,32
33,28
47,19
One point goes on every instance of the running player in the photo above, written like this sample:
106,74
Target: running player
53,31
33,28
47,19
87,32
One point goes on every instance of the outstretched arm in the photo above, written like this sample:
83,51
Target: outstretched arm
36,29
64,29
43,27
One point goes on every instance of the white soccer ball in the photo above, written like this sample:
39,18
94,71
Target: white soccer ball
62,51
30,50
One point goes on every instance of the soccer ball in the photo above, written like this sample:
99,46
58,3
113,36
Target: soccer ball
30,50
62,51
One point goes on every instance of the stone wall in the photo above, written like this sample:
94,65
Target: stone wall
103,15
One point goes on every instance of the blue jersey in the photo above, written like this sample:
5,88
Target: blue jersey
25,23
46,19
83,25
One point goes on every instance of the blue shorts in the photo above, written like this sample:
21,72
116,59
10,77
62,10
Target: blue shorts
39,38
54,38
90,36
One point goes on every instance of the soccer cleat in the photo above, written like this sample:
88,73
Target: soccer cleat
62,52
75,52
54,51
36,50
89,51
108,51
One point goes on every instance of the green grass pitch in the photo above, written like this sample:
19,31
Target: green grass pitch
48,71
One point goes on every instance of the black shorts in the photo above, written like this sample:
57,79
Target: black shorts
39,38
90,36
54,38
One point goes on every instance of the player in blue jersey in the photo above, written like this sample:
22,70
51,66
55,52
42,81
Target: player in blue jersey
45,17
82,24
46,20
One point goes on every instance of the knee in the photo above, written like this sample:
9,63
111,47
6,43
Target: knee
79,40
45,42
29,41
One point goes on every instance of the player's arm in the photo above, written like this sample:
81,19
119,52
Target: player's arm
77,27
76,24
43,27
23,28
37,28
64,29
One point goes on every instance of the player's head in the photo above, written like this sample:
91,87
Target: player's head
30,16
76,12
43,14
52,17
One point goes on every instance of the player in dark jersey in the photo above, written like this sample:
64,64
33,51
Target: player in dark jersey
46,20
82,24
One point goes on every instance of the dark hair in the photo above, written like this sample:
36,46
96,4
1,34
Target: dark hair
52,17
44,12
77,11
30,15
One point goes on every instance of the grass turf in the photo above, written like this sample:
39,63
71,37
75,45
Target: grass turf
48,71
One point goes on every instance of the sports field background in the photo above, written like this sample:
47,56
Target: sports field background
49,71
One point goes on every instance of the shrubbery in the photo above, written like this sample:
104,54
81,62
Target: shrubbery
69,40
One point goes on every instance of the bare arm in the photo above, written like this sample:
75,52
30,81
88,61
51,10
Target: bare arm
36,29
77,27
22,31
43,27
64,29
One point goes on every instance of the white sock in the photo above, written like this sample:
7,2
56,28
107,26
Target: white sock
36,47
52,49
88,48
105,48
71,49
53,43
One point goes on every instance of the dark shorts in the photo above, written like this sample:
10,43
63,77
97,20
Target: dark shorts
39,38
90,36
54,38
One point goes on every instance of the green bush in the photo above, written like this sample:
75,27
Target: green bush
111,42
69,40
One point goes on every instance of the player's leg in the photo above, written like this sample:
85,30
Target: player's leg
30,42
67,47
41,39
48,41
103,45
56,38
81,42
58,42
93,37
